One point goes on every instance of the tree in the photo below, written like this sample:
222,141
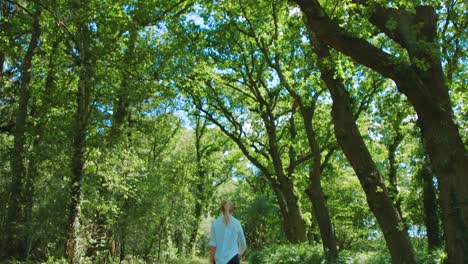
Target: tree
283,186
86,62
279,51
421,78
210,149
17,215
358,155
266,106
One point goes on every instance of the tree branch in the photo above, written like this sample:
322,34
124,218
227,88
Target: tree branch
330,33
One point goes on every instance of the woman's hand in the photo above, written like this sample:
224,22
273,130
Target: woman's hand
212,254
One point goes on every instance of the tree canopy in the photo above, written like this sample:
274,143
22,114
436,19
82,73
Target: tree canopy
337,128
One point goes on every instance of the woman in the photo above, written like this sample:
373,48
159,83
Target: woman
226,237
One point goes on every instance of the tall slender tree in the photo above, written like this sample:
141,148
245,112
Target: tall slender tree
16,232
85,63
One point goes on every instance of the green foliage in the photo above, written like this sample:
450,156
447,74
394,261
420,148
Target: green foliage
288,254
53,260
353,223
259,216
304,253
190,260
367,257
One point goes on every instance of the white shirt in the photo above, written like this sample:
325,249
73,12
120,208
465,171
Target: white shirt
227,239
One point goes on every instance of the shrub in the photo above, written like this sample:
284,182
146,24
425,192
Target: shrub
364,257
288,254
190,260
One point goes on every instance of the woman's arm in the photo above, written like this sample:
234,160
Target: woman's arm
212,244
212,254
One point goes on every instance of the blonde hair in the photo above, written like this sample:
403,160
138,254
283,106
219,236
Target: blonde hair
227,207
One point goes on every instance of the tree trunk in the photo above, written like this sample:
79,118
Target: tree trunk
322,216
2,61
200,192
293,226
85,83
16,229
122,250
194,233
29,202
38,113
122,229
296,226
296,223
355,150
122,103
431,210
442,140
448,158
315,193
74,210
